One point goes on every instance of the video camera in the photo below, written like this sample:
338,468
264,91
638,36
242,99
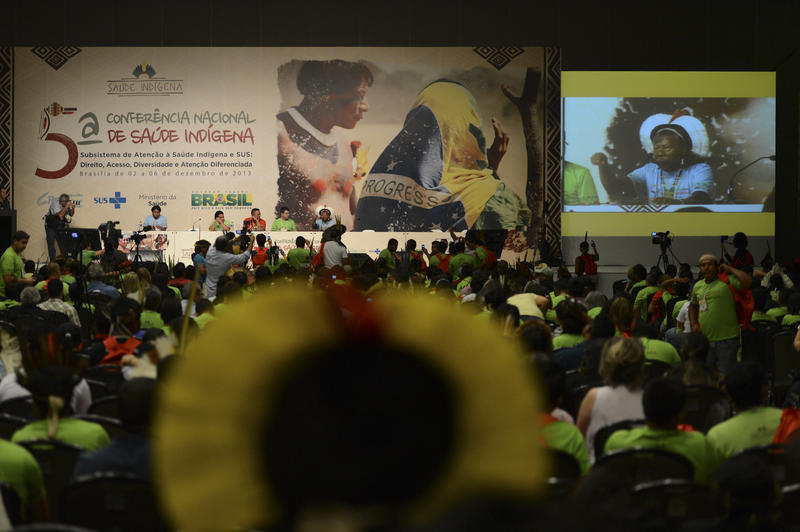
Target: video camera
661,239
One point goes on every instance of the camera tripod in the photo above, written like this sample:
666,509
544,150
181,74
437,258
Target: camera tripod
663,258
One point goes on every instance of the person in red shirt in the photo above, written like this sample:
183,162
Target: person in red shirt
586,263
121,341
255,222
742,257
261,252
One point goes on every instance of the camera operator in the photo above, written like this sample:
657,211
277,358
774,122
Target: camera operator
742,257
219,259
57,218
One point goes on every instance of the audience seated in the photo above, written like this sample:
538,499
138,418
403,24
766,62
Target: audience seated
129,451
753,424
622,370
663,400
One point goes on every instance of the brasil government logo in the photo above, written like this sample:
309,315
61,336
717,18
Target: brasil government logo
222,199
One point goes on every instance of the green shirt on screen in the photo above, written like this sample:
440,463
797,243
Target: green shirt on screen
579,188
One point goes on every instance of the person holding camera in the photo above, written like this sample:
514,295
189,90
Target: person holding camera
57,218
742,257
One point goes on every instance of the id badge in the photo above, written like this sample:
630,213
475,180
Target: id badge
703,305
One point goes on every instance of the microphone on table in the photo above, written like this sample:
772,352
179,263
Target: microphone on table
194,223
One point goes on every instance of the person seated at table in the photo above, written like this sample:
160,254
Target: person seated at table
219,223
255,222
324,221
155,222
284,223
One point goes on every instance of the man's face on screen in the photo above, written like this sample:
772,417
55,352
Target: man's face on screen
667,151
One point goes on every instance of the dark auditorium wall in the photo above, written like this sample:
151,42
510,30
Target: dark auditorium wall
611,35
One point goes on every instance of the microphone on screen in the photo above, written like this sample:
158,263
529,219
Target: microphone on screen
732,182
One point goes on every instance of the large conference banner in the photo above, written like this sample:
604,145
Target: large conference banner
387,139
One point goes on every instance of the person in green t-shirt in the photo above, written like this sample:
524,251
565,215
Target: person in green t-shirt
783,305
300,254
558,434
219,223
579,188
459,259
713,310
637,275
760,298
389,255
51,388
11,266
663,401
754,424
205,310
473,243
283,222
651,287
655,349
150,317
572,319
560,293
20,469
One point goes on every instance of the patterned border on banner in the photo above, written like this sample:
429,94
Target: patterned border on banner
644,207
498,57
7,119
56,56
552,149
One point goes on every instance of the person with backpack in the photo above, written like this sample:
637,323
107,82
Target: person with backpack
713,311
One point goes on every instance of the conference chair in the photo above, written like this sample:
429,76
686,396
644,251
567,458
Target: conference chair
673,502
643,464
574,398
107,406
57,461
602,435
783,363
112,501
98,388
619,286
790,506
655,368
9,424
108,374
783,461
705,407
564,473
19,407
12,503
754,342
